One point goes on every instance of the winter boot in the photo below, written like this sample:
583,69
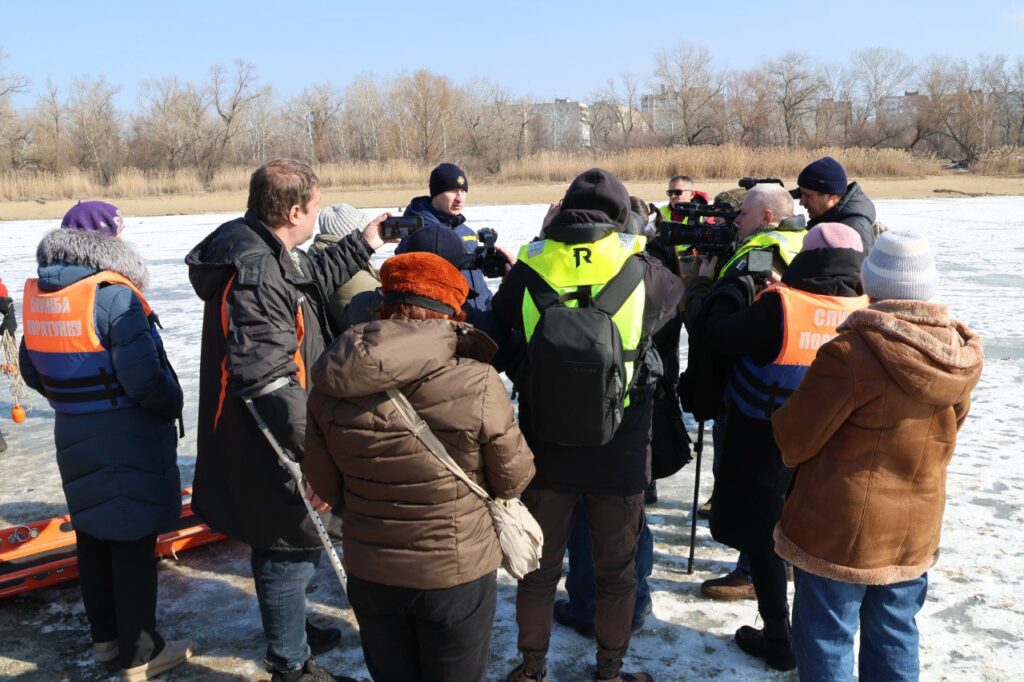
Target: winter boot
704,511
771,643
626,677
518,674
105,652
730,587
172,655
564,616
321,640
309,672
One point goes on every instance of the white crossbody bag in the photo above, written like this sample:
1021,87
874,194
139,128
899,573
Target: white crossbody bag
519,534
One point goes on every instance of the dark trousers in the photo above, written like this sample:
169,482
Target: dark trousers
615,522
410,635
768,573
118,582
579,582
281,579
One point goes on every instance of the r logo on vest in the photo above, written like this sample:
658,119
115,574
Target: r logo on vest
581,254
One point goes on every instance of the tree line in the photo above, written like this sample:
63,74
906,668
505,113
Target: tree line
879,98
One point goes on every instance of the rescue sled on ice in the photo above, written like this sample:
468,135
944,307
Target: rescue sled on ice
43,553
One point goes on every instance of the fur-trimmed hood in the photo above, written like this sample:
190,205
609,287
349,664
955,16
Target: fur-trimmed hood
90,251
934,359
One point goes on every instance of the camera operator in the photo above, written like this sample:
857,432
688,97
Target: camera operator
769,341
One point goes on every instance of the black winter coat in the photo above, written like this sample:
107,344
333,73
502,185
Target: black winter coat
752,481
854,210
623,465
240,488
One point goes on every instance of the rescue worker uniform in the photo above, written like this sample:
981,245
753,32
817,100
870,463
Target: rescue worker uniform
92,348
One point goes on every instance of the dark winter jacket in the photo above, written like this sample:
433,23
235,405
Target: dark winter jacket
264,323
8,317
119,467
871,430
408,521
338,300
854,210
623,465
424,207
751,482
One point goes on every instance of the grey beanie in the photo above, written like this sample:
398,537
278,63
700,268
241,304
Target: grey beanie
900,266
340,220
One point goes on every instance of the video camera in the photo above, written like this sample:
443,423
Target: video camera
690,226
486,258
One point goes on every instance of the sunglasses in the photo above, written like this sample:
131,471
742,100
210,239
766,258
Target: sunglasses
674,192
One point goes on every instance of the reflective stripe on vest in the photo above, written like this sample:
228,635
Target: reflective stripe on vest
786,243
76,370
568,267
225,323
808,322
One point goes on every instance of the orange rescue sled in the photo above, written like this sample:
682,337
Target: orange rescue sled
43,553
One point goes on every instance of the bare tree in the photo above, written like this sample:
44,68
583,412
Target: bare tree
795,86
315,116
691,95
615,112
876,73
50,138
365,118
424,107
15,130
231,97
173,122
749,106
95,127
495,124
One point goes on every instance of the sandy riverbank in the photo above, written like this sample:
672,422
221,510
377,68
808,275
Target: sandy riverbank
881,188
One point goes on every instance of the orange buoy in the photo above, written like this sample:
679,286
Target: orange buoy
18,414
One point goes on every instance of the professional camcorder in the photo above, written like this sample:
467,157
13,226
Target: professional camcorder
709,230
486,258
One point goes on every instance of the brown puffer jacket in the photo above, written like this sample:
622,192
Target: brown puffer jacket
872,428
407,520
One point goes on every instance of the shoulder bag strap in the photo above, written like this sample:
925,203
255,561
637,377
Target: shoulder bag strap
420,429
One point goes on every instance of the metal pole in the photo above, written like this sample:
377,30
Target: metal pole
296,473
696,496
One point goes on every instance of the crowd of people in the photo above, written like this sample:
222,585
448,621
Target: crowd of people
836,385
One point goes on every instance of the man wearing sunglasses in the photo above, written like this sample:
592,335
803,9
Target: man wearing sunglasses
680,189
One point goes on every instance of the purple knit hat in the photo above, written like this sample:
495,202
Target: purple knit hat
833,236
94,216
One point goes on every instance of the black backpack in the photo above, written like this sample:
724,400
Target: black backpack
576,366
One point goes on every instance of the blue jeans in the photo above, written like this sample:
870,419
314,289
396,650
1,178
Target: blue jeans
579,582
826,614
718,436
281,580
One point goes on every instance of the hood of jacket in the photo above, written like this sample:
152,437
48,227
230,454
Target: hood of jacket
66,256
244,245
853,204
829,272
383,354
424,207
932,358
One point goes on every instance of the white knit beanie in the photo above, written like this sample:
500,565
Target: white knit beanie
900,266
340,219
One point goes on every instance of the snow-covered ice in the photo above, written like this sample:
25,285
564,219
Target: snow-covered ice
972,625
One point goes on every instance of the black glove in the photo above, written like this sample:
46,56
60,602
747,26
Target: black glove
10,321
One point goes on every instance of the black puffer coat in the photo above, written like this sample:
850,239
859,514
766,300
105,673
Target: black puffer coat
854,210
751,482
263,321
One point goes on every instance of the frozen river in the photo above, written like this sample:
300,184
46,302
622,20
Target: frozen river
972,624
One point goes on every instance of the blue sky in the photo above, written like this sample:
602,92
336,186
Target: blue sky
547,49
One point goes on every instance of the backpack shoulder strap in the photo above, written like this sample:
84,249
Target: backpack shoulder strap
540,291
619,288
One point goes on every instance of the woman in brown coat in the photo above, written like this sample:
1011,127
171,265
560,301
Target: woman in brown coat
872,428
420,547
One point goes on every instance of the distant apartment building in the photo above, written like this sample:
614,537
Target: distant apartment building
901,108
660,110
562,124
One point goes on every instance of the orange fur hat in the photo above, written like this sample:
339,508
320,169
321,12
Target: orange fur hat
423,279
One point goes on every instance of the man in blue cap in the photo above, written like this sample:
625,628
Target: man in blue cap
823,190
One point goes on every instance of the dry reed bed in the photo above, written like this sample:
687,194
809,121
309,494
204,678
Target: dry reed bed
650,164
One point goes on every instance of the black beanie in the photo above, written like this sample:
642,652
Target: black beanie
600,196
445,177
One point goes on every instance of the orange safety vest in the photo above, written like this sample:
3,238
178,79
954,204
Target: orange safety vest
808,322
60,336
